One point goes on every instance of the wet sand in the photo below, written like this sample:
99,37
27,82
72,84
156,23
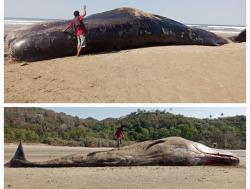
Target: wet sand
166,74
157,177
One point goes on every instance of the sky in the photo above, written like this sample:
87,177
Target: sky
223,12
101,113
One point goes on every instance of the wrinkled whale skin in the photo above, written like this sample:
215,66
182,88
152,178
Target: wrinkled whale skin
122,28
171,151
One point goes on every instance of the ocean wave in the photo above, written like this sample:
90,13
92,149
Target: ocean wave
21,22
219,28
18,21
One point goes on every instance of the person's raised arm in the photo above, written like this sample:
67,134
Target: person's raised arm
84,11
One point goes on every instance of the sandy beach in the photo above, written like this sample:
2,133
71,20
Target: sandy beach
157,177
166,74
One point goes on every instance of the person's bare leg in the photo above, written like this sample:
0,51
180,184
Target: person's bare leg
78,51
78,46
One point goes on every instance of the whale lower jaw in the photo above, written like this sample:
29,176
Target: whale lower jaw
217,160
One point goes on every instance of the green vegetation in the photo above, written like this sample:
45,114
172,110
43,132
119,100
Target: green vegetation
49,127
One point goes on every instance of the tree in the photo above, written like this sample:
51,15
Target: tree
62,129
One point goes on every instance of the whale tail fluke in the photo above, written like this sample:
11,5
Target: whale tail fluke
19,152
18,158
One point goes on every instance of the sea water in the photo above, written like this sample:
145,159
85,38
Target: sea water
24,21
219,28
14,23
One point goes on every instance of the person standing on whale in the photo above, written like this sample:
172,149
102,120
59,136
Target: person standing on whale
119,134
80,30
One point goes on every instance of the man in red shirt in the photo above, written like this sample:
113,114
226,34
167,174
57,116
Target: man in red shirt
119,135
80,30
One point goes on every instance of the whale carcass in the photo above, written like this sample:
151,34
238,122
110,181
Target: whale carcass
242,37
118,29
172,151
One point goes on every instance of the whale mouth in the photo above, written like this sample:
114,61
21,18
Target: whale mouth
217,156
204,149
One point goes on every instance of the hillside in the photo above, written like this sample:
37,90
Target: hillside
49,127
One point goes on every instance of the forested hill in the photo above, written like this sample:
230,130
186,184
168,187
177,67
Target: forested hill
46,126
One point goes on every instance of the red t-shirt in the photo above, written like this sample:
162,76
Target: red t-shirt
80,30
119,133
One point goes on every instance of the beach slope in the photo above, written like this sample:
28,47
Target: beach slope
165,74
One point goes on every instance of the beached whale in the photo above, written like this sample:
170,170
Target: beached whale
172,151
242,37
118,29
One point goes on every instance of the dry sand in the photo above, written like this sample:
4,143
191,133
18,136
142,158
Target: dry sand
165,74
157,177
